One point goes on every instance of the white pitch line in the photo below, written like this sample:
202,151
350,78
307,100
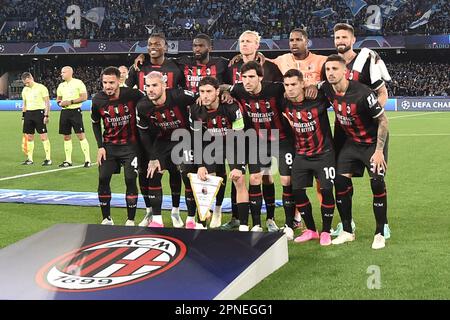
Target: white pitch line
419,134
40,172
414,115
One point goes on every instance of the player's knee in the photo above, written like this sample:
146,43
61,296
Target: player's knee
239,184
300,196
267,179
342,184
378,185
255,179
155,181
327,196
285,180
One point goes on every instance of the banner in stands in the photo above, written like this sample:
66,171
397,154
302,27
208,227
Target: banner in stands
100,47
16,105
423,104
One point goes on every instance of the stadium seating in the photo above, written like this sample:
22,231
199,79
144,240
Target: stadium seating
134,19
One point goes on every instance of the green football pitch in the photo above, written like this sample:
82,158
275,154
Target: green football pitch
414,264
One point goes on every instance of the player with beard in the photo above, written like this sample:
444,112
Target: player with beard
195,68
162,112
365,125
300,58
173,77
115,106
366,67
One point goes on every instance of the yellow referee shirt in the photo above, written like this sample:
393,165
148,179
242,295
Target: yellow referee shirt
34,97
70,91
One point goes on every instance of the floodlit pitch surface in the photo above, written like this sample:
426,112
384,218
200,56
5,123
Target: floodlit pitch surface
414,264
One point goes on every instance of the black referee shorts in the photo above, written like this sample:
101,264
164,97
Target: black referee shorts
34,121
71,118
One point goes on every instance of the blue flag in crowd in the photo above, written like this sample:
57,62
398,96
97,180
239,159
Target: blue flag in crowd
389,8
95,15
424,18
323,13
355,6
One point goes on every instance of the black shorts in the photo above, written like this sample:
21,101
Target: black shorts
164,155
354,158
321,166
34,120
262,162
71,118
117,156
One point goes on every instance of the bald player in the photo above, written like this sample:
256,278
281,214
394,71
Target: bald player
70,95
123,76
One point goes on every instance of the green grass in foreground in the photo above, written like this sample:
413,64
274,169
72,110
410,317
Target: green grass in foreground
414,264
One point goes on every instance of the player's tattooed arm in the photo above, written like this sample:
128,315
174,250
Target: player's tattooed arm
382,131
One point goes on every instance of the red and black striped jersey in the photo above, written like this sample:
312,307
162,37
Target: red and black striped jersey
262,111
194,71
216,122
271,72
118,116
172,74
310,125
356,111
165,119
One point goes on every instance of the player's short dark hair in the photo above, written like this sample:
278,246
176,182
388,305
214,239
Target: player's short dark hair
344,26
158,35
293,73
204,37
253,65
25,75
335,57
300,30
110,71
209,80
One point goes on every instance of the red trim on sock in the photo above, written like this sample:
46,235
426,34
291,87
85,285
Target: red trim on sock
379,195
302,204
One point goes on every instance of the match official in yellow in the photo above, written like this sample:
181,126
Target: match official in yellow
35,113
70,95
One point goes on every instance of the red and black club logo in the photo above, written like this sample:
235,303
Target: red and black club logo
112,263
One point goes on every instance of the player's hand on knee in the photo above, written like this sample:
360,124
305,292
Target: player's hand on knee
235,174
202,173
378,162
153,166
101,156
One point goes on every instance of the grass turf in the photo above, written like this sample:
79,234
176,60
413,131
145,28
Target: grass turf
412,266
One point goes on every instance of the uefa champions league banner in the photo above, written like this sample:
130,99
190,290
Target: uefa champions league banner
423,104
393,104
16,105
84,46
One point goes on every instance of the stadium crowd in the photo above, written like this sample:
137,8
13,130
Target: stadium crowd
135,19
419,79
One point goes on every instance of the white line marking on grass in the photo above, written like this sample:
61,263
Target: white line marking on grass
415,115
41,172
419,134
